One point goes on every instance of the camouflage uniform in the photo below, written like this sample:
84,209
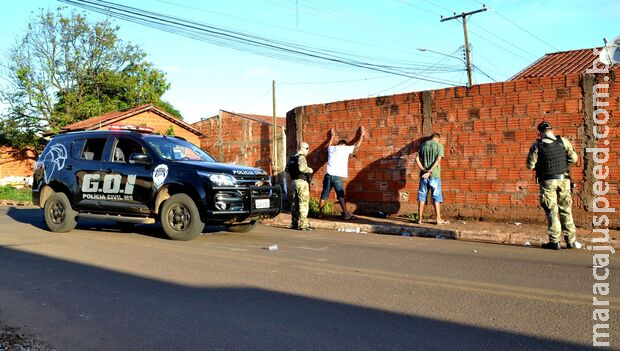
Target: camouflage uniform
555,196
300,204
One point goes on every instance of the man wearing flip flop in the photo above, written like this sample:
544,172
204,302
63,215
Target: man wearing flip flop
428,160
338,168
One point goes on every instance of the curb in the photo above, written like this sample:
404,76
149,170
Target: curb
15,203
515,239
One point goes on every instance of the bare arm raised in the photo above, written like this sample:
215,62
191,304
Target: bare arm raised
362,133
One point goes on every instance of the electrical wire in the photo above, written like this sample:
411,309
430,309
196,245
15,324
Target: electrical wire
495,68
419,8
256,101
476,68
326,10
494,43
365,45
469,21
359,23
334,81
520,27
243,41
445,58
440,6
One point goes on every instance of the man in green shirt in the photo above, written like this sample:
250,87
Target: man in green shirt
429,161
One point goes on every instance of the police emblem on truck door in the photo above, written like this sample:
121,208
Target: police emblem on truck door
159,175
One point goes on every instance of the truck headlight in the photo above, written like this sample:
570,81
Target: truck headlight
219,179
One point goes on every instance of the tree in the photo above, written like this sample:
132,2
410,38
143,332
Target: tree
66,69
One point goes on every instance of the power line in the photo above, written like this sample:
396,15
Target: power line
419,8
414,67
399,84
446,57
440,6
360,23
242,41
255,101
497,45
476,68
334,81
326,10
502,39
495,68
520,27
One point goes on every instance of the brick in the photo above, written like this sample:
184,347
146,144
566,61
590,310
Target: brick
505,117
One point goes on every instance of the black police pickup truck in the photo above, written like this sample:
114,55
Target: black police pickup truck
134,177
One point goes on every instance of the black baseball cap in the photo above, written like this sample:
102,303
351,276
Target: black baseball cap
544,126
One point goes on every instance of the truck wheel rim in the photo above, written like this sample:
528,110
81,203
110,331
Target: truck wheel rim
57,213
179,217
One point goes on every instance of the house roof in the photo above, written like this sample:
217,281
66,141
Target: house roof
281,121
116,116
559,63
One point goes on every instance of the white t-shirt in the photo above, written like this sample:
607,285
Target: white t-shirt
338,160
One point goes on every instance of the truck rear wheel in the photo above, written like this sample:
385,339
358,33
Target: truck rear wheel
242,228
59,216
180,218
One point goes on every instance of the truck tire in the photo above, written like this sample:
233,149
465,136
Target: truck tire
180,218
242,228
59,215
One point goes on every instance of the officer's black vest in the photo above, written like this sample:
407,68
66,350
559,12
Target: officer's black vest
292,167
552,159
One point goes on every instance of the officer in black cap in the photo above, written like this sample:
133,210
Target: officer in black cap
551,156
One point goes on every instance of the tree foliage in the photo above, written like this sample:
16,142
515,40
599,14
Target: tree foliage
66,69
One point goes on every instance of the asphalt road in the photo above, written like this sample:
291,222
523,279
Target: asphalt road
99,288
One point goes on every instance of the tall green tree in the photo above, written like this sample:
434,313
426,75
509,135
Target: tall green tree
66,69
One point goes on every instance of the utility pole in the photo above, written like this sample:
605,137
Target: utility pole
463,17
274,163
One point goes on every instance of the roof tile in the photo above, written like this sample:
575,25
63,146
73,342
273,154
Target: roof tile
559,63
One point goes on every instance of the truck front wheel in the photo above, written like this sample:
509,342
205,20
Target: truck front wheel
180,218
59,216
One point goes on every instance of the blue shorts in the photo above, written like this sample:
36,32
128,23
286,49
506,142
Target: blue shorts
329,182
434,184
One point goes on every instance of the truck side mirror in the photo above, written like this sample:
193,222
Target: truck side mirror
137,158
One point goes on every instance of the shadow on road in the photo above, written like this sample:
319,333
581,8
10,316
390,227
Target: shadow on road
100,309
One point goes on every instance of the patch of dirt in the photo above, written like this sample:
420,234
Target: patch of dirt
12,339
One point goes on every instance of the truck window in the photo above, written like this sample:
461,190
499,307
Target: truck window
93,149
124,148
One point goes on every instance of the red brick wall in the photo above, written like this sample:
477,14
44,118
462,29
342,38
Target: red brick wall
14,163
486,130
242,141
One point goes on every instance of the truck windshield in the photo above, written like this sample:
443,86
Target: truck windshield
178,150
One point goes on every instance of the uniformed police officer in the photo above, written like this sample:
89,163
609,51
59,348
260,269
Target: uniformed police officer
551,156
300,173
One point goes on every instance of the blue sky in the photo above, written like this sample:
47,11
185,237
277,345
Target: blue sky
205,77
